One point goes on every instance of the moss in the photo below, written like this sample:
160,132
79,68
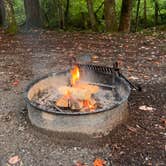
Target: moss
12,29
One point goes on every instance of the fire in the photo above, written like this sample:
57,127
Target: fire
67,94
75,75
88,104
78,96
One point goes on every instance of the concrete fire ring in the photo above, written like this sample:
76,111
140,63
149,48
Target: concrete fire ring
94,124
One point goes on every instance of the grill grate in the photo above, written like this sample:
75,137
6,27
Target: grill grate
102,69
109,70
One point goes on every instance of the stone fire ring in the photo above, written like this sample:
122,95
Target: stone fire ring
93,124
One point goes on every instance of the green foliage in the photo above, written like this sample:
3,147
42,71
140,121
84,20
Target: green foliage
78,13
19,11
150,9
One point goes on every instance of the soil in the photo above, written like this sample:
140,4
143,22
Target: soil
142,59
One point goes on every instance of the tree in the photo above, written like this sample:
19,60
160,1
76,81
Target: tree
156,11
125,18
60,13
2,13
137,14
110,15
33,13
67,11
10,17
92,15
145,15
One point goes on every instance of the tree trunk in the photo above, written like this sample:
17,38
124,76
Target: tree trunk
156,11
110,15
125,18
145,15
10,17
2,13
33,13
67,11
137,15
60,13
92,15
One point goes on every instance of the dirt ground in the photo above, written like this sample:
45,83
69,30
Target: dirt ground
142,58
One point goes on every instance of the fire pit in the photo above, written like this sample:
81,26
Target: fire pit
86,99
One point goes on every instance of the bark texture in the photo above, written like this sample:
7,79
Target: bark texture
67,11
2,13
92,15
110,15
137,15
125,18
156,11
33,13
145,15
10,17
60,13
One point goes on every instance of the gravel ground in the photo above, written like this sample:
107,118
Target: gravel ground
142,58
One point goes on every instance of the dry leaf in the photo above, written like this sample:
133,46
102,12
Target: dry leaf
131,128
79,163
163,120
95,57
146,108
99,162
15,83
14,160
133,78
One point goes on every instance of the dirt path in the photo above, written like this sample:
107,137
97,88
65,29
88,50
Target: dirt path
142,58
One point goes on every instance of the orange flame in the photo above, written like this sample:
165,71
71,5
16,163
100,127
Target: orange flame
67,94
87,104
75,75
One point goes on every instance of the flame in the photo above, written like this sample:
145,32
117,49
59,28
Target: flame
87,104
75,75
67,94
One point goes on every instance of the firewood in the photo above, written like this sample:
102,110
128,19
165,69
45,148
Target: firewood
62,102
91,88
77,93
76,105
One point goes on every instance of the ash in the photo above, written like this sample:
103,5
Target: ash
46,99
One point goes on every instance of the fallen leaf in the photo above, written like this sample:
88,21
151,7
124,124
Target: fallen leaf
133,78
146,108
130,69
122,152
131,128
95,57
13,160
146,77
79,163
99,162
15,83
163,120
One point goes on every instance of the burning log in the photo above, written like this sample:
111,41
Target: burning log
76,93
78,97
62,102
80,91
